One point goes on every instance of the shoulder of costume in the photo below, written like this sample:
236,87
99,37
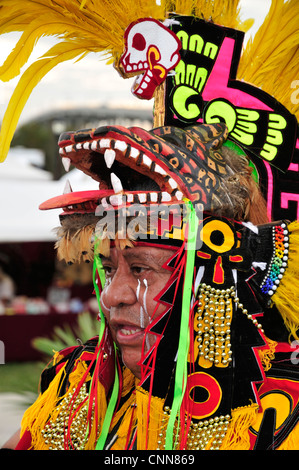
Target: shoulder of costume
70,358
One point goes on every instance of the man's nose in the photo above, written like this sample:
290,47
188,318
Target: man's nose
121,290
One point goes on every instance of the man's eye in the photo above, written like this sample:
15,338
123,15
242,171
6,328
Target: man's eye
107,270
138,269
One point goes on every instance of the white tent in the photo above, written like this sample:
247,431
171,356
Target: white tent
23,188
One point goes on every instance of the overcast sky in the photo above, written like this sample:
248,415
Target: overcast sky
63,86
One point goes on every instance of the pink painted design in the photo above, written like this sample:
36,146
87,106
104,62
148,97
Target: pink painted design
293,167
269,189
216,86
286,197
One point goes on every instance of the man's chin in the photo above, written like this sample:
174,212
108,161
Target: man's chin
131,361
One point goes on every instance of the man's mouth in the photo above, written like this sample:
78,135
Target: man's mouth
129,334
129,331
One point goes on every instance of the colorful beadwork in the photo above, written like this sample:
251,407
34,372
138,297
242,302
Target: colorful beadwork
279,259
202,434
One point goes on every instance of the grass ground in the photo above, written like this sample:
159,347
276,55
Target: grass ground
20,377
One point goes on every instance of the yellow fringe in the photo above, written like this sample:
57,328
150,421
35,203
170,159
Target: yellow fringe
97,424
286,297
292,441
267,354
129,380
36,417
126,411
150,420
78,372
46,408
237,435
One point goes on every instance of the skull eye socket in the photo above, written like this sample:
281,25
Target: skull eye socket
138,42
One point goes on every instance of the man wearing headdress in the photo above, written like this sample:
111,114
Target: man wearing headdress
196,285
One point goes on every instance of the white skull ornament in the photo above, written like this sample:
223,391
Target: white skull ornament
152,50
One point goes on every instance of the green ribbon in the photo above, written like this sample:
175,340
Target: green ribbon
98,267
184,341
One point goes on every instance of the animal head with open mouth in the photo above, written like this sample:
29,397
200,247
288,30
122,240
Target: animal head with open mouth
172,162
161,167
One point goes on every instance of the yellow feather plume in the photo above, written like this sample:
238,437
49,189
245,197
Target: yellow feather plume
30,78
271,60
82,27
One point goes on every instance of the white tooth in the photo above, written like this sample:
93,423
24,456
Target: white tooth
109,156
179,195
142,197
172,183
154,197
160,170
61,151
147,161
116,200
166,197
66,163
150,73
143,85
134,153
129,332
120,145
67,188
116,183
130,197
94,145
104,143
86,145
147,79
79,146
104,202
68,148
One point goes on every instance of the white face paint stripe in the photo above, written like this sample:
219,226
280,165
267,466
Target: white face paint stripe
141,313
103,304
141,317
107,284
138,290
144,296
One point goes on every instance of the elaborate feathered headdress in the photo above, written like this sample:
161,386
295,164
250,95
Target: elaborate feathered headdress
208,121
98,26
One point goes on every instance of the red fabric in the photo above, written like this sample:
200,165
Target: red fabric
25,442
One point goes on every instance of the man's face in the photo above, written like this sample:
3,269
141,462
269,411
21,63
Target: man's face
134,277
